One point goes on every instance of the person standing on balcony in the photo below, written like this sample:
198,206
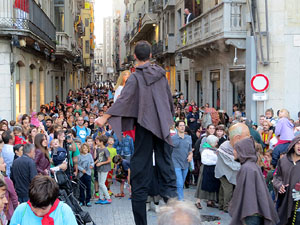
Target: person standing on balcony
188,16
146,102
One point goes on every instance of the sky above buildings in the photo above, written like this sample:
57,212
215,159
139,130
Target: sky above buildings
103,8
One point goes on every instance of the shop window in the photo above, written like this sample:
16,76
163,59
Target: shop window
179,81
237,79
186,79
215,80
199,93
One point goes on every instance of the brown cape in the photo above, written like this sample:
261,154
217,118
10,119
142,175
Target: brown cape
146,98
251,195
287,173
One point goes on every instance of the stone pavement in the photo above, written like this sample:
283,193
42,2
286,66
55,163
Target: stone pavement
120,211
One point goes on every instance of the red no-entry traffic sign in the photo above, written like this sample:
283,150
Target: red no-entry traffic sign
260,82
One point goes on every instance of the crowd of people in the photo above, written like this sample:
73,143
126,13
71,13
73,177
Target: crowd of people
63,136
229,144
249,170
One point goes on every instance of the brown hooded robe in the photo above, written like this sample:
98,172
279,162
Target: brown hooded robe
287,173
147,99
251,195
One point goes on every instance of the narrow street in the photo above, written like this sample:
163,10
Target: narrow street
120,211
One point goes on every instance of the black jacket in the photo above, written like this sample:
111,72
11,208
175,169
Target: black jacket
189,18
23,170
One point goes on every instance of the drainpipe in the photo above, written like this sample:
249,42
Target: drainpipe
251,69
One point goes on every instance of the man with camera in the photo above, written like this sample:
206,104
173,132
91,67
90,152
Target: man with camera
73,153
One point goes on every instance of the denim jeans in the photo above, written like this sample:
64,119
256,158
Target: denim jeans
180,178
254,220
101,182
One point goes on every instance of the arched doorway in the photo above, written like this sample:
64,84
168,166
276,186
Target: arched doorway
42,85
32,89
20,74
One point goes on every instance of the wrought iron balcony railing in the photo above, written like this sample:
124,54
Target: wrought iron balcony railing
26,18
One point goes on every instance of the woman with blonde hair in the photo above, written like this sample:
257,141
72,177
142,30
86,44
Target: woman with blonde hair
284,132
121,83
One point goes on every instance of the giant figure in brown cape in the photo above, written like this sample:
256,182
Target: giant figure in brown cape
146,102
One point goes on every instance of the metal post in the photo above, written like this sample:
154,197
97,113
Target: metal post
251,69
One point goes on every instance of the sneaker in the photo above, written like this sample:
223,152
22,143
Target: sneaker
89,204
109,200
81,204
100,201
96,195
105,202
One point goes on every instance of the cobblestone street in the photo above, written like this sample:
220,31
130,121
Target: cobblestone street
120,211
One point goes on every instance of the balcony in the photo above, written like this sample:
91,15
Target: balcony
225,21
26,18
63,44
141,30
157,6
169,44
157,49
169,4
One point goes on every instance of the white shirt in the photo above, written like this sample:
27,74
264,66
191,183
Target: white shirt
187,18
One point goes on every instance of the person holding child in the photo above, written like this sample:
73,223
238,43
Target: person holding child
85,166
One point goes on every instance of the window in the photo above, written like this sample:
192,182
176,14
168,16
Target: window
197,8
237,79
186,78
179,24
216,85
151,5
87,47
198,79
31,88
86,22
59,15
18,90
178,81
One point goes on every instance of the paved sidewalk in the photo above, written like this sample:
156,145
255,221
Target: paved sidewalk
120,211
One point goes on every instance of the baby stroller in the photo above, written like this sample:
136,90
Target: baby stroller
66,195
